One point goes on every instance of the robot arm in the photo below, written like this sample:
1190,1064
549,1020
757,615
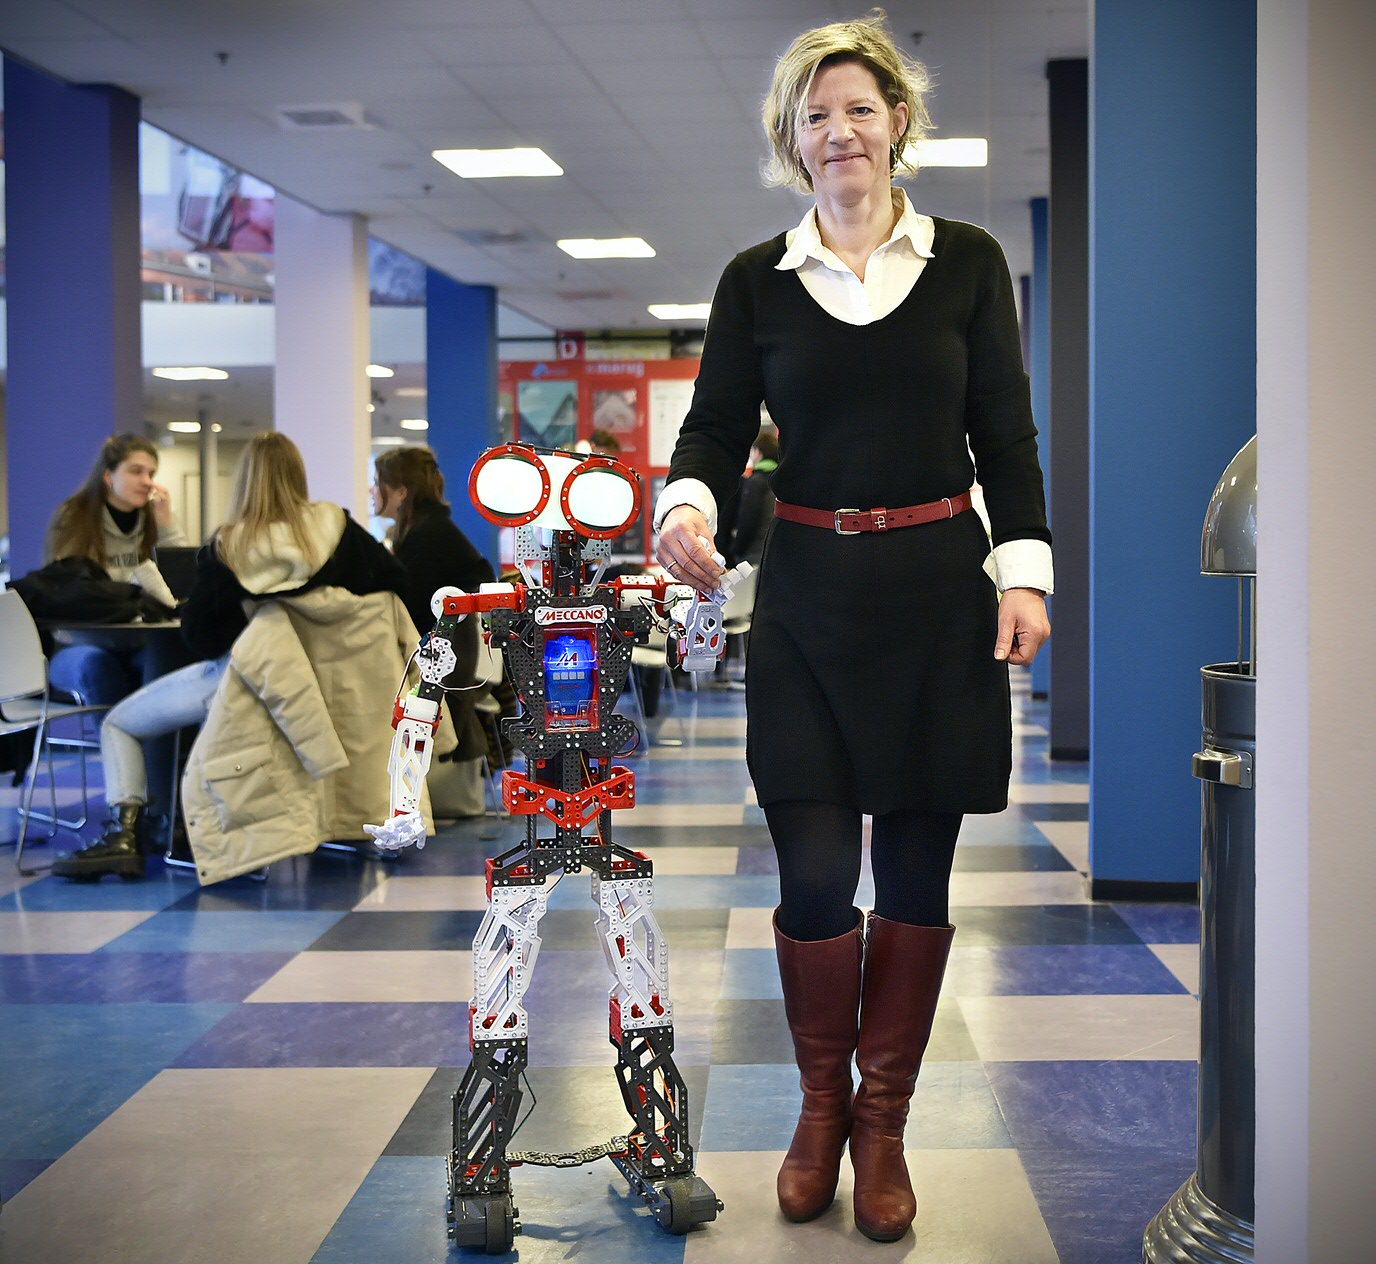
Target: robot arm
416,716
695,619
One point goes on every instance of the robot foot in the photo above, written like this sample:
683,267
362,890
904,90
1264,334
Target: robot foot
486,1221
682,1202
677,1202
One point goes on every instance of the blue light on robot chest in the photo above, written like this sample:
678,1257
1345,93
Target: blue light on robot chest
571,681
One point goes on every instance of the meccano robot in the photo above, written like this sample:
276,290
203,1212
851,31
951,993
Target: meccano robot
567,642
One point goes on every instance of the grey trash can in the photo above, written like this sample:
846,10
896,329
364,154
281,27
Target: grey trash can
1209,1219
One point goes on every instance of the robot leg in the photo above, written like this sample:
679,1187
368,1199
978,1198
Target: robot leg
658,1161
480,1209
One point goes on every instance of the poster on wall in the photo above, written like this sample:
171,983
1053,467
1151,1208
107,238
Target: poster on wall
640,404
616,415
547,413
669,403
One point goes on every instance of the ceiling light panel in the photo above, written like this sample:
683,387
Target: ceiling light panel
497,164
606,247
680,311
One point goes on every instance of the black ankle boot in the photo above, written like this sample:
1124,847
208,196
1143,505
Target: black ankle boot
118,852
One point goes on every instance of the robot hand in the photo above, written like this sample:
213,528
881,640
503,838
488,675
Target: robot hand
399,832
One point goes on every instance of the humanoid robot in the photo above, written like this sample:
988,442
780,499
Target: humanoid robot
567,642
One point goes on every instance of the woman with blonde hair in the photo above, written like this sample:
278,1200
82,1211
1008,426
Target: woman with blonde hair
885,345
277,541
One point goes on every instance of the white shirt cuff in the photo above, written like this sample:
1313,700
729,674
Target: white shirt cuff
1021,564
687,491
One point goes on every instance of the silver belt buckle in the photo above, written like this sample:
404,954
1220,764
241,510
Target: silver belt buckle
836,521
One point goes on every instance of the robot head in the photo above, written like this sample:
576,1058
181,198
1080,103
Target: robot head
515,485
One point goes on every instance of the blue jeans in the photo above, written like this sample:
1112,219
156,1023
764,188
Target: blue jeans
96,675
163,706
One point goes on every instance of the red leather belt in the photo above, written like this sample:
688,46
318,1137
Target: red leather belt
854,521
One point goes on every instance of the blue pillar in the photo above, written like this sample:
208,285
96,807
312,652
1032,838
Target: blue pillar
72,263
1173,396
461,385
1039,370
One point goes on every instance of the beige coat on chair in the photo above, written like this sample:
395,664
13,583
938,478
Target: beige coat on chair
294,750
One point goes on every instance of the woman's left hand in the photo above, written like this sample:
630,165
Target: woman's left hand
161,503
1023,625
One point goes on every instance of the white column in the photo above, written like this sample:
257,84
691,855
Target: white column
320,394
1316,692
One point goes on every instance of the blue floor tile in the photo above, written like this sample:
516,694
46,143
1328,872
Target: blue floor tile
1070,1106
339,1034
58,895
396,1217
68,1066
226,932
105,977
1097,1203
772,1090
1162,923
1059,970
750,974
16,1173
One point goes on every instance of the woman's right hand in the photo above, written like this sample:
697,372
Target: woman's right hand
685,549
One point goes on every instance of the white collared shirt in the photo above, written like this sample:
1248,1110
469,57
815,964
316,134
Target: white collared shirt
890,274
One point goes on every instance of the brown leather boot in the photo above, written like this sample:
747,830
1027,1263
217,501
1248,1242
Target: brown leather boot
903,970
822,1000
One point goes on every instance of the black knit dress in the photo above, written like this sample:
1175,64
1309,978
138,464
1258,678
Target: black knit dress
871,680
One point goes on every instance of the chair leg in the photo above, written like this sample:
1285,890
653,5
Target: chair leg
39,738
176,862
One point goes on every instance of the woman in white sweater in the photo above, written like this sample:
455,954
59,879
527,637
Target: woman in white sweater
118,516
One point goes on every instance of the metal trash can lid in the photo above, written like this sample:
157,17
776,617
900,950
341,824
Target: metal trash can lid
1229,543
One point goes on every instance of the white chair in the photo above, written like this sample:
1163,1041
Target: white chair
25,704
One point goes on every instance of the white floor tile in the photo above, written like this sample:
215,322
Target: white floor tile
66,932
404,975
1083,1028
974,1207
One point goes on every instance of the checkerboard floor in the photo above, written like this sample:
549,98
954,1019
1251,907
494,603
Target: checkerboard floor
261,1072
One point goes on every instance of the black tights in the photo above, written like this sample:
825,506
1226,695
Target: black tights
819,851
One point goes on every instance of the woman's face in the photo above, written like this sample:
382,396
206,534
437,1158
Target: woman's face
130,483
386,500
846,133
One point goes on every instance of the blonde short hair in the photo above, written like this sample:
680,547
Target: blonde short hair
866,41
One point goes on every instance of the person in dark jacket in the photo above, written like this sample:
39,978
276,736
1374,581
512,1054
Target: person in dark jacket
754,503
434,554
277,542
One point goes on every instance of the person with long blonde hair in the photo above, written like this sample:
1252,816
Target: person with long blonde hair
886,344
277,541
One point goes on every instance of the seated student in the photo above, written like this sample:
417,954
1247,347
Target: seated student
434,553
277,541
117,518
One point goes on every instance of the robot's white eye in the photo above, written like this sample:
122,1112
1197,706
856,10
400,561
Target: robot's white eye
510,485
601,498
